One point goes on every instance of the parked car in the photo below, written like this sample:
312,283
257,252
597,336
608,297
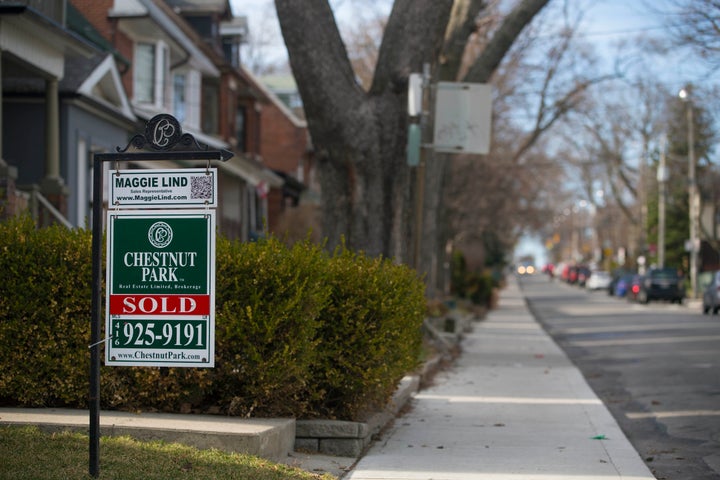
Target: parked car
572,274
711,295
599,280
662,284
549,269
635,288
563,271
583,273
616,276
622,285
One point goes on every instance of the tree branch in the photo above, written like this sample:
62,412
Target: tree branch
503,39
412,37
461,25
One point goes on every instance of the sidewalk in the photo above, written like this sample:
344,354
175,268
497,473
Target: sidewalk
512,407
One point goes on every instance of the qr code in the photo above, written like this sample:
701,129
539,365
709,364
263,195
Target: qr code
201,187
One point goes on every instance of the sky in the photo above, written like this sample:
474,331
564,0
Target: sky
606,21
606,24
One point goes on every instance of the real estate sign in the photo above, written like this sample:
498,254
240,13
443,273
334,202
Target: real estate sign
160,305
156,188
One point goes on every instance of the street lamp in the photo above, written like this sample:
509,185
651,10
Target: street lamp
693,197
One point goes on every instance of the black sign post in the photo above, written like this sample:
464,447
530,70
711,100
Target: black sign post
163,140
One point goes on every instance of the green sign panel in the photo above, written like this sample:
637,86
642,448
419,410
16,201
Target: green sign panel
160,281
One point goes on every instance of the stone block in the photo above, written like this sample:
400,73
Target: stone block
342,447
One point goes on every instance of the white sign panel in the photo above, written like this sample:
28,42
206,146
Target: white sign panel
186,187
462,117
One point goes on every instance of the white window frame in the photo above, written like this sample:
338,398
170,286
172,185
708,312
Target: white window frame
161,74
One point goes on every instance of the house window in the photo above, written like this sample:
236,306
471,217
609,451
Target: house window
210,112
231,50
150,69
241,129
144,73
179,99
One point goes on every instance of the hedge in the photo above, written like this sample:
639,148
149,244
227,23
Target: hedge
368,332
299,331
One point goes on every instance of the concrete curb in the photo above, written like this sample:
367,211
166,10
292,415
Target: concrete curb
272,439
349,439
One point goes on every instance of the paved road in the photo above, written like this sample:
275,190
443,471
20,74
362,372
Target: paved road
656,367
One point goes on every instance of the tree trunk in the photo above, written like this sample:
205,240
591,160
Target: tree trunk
360,137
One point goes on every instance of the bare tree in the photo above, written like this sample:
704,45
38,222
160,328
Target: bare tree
696,24
608,143
545,78
259,53
360,135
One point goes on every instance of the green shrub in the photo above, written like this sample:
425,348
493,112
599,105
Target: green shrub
370,333
45,312
298,332
268,304
476,286
480,287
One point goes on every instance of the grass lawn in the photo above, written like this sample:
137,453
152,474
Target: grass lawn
28,453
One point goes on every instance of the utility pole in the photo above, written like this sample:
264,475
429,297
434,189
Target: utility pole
693,197
662,177
425,119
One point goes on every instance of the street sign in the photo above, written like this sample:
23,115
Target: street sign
160,308
462,117
187,187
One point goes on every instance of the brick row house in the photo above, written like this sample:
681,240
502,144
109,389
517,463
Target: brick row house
124,62
287,149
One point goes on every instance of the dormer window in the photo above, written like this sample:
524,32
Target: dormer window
150,73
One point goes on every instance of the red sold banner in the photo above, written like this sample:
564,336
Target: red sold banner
159,304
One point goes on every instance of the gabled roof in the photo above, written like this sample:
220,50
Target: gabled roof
103,85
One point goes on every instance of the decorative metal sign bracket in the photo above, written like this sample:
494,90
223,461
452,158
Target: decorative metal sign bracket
163,133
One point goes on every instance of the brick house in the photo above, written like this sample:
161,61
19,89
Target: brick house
264,130
287,149
175,68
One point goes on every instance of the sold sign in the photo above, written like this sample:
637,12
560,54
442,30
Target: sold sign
161,282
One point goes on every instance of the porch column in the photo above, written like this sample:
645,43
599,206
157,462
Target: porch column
53,186
8,174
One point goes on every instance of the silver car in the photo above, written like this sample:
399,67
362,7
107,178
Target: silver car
711,294
599,280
